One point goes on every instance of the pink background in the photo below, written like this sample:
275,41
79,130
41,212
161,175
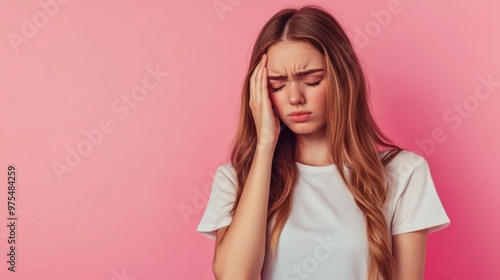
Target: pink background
68,68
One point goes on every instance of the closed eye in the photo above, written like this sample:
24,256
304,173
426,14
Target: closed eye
307,84
271,89
313,84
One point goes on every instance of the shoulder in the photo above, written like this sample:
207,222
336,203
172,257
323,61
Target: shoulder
225,174
226,169
413,202
405,163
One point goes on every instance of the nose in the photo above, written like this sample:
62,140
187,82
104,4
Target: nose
295,94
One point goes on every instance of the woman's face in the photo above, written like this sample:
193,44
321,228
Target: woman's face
297,82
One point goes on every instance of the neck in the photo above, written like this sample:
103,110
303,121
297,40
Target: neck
312,148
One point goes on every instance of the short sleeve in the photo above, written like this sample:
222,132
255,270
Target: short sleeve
221,200
419,206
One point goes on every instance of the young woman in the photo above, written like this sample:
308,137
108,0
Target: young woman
314,189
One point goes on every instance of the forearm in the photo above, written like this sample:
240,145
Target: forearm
241,253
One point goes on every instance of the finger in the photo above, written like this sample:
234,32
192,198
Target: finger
263,80
254,83
253,80
258,81
265,83
254,73
265,76
264,90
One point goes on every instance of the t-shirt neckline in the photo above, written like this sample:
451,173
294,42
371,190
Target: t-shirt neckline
306,167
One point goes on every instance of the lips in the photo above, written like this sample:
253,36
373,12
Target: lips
299,117
299,113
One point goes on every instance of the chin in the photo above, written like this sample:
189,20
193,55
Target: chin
305,127
302,128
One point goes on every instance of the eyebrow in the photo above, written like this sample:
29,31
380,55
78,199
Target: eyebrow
298,74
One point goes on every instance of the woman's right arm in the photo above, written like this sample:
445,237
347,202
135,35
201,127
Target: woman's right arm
240,255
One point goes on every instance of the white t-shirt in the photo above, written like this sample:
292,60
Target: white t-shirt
325,234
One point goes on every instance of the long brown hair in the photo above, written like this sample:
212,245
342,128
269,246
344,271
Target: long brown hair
353,137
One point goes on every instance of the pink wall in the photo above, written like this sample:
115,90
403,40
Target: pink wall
117,113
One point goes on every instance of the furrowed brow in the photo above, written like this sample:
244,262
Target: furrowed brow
297,75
